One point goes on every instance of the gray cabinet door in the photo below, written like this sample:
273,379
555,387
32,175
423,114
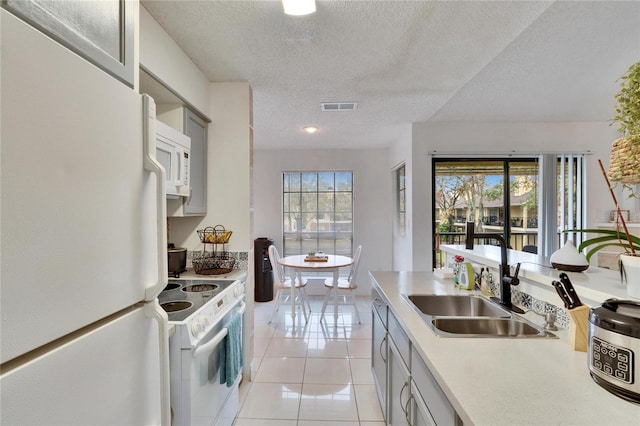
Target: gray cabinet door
196,129
100,31
398,387
379,359
421,414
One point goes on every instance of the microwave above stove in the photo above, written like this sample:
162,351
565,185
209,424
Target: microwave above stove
173,152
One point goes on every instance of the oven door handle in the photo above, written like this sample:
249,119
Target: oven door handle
242,308
211,344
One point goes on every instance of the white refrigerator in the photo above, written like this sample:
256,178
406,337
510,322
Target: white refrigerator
83,242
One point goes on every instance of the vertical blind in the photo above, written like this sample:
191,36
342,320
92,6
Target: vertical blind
571,196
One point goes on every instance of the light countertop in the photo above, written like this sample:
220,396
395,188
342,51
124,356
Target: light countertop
493,381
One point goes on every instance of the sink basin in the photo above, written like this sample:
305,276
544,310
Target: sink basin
487,327
471,316
456,306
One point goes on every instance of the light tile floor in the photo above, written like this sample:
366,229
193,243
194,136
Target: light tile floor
311,374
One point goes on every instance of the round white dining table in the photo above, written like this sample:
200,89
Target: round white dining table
297,264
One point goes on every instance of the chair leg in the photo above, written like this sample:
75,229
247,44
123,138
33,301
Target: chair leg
303,290
355,307
276,307
302,299
324,304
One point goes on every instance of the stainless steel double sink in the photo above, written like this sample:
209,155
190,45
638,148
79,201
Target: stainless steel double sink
471,316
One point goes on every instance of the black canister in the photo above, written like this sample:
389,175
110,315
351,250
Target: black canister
177,260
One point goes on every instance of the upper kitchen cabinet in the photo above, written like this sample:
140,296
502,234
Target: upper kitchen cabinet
173,111
196,128
100,31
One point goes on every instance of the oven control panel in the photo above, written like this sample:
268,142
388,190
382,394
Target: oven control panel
213,312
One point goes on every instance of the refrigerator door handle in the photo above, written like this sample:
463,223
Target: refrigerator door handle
153,166
153,310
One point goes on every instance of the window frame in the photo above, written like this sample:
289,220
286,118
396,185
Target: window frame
400,188
296,241
551,166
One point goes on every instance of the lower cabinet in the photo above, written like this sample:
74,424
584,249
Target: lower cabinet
419,411
379,348
379,355
399,395
426,389
408,392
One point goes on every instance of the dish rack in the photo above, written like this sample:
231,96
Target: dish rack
213,260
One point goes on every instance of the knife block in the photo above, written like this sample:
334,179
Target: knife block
578,328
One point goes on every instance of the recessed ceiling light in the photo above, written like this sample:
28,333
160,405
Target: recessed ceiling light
310,129
299,7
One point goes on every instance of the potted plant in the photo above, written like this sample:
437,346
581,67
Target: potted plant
624,168
625,152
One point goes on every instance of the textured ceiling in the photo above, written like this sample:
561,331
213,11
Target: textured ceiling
408,61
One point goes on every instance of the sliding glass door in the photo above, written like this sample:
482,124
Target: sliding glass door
498,195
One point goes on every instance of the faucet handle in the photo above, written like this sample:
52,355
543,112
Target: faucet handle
514,280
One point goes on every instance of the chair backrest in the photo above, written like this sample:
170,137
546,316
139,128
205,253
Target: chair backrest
353,274
277,269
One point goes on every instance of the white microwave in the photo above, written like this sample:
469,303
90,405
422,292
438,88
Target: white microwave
173,152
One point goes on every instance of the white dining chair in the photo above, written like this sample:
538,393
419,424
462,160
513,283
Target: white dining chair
282,285
346,286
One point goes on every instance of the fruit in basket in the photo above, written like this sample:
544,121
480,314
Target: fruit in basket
209,238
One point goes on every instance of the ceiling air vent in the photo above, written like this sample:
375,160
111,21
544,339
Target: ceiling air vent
338,106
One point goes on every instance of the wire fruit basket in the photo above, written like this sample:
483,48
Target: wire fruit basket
214,235
214,261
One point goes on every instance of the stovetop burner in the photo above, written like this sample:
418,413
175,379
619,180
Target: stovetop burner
198,288
180,299
178,306
171,286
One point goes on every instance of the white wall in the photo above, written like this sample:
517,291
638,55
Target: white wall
162,56
400,153
228,174
229,141
372,204
487,137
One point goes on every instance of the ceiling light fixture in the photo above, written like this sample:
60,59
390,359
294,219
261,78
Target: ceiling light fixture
299,7
310,129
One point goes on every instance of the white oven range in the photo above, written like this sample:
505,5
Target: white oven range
207,315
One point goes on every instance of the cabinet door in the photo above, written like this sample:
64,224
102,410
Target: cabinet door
419,412
196,129
426,388
399,388
379,359
99,31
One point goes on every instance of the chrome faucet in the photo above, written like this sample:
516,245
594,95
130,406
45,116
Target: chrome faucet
506,280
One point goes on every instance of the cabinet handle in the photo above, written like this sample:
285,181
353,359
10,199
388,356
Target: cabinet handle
407,414
380,349
401,404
